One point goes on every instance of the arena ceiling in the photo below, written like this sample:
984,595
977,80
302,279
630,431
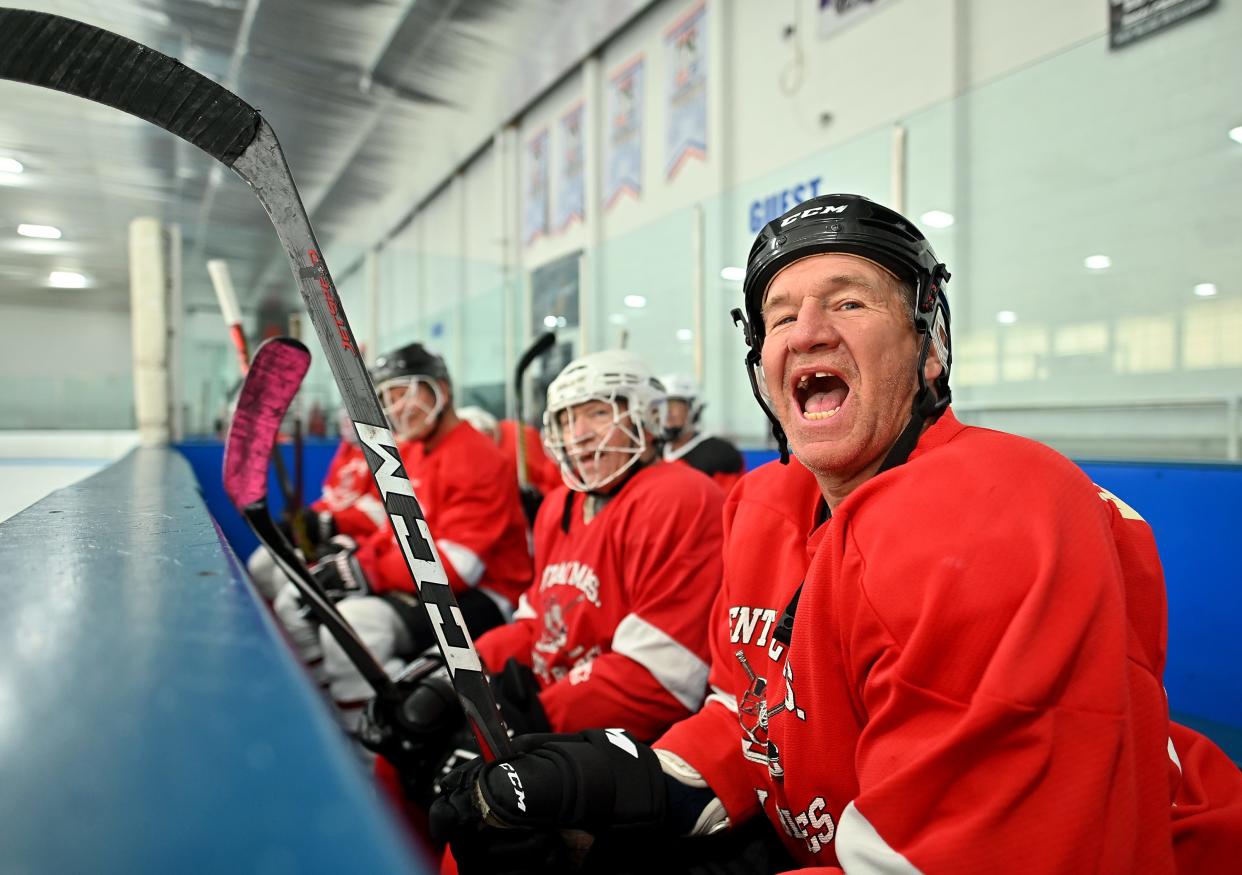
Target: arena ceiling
376,102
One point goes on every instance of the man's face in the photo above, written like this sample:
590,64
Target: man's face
676,411
411,407
838,359
596,445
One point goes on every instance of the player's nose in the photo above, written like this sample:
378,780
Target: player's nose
814,328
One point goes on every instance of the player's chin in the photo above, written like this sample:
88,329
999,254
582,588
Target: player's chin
823,456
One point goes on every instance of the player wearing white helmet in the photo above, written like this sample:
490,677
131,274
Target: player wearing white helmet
683,441
627,565
602,419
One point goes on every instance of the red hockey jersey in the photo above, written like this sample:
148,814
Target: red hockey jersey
973,680
468,491
613,625
350,495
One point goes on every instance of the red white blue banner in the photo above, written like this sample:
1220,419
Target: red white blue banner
624,163
571,199
535,206
686,54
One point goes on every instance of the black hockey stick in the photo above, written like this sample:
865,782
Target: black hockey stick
76,58
273,378
542,344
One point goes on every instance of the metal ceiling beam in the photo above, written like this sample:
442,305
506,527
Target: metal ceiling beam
216,175
385,97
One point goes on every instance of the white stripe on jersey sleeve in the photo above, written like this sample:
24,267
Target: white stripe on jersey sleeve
1173,757
670,662
861,849
373,508
524,610
464,561
723,698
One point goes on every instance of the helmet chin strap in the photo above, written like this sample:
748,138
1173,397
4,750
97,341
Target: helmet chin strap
925,410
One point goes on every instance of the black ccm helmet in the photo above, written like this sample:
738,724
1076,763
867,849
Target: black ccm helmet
394,372
854,225
411,360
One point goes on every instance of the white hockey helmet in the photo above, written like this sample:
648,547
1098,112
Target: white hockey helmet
482,421
683,388
617,378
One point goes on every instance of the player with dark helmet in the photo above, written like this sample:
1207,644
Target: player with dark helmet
414,389
467,488
852,224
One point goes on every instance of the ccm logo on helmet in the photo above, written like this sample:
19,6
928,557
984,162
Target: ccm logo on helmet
811,211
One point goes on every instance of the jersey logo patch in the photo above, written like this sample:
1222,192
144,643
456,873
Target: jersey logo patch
754,713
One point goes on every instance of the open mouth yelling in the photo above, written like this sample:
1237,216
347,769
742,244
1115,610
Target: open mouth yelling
820,394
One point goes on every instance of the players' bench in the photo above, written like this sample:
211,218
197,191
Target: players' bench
152,719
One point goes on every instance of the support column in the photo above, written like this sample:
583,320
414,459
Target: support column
148,305
592,314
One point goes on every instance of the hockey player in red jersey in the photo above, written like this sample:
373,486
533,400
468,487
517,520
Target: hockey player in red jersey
468,491
969,677
627,559
679,419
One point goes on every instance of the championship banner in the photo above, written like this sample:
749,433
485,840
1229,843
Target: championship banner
535,213
686,49
1132,20
624,164
836,15
570,205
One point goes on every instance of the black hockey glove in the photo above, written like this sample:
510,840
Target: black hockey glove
320,527
427,736
335,544
340,574
412,735
479,849
512,811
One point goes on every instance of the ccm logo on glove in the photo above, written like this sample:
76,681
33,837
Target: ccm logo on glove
516,780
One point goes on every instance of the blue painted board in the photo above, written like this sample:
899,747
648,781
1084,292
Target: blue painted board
151,717
206,458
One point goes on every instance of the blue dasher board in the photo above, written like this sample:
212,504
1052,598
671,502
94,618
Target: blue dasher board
152,719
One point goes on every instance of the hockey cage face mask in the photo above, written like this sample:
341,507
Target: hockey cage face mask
594,440
411,411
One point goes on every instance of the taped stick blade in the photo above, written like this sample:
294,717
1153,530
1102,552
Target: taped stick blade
275,376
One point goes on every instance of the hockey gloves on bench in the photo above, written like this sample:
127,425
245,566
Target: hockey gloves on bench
340,574
506,815
320,528
427,735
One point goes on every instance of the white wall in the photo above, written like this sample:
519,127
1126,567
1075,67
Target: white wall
66,368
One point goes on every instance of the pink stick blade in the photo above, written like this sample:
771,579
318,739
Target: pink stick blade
275,375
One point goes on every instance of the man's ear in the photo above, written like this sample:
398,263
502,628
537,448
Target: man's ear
933,367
